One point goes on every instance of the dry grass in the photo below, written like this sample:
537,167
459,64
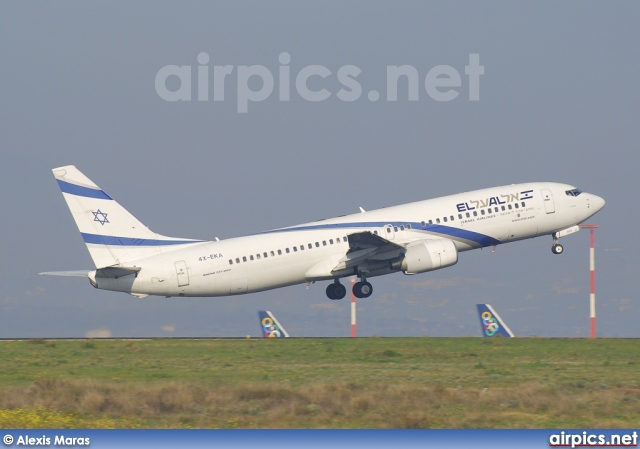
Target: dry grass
346,405
366,383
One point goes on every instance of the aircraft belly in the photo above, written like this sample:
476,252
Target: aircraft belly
276,275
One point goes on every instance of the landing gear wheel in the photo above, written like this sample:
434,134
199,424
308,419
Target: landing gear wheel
336,291
339,290
331,291
362,289
557,249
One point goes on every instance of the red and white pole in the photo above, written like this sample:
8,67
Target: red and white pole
353,310
592,276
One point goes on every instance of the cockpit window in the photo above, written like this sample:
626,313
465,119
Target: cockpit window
573,192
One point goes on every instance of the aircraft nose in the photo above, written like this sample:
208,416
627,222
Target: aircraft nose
597,202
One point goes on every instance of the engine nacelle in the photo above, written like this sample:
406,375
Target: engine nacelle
429,255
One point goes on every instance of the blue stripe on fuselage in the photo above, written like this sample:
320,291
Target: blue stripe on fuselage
129,241
75,189
445,231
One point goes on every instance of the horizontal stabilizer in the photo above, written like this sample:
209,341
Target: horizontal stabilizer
76,273
116,272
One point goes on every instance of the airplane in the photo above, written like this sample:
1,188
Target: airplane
490,322
410,238
269,326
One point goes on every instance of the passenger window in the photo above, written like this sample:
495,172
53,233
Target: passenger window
344,239
244,258
251,257
324,243
295,249
517,205
510,207
475,213
286,250
272,254
402,227
265,254
279,252
317,245
522,204
503,208
468,215
230,261
423,224
452,218
237,260
482,212
437,220
395,228
489,210
330,241
409,226
445,219
459,216
301,247
310,246
258,256
388,230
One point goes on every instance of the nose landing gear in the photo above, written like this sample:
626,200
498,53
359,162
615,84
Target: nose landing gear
556,248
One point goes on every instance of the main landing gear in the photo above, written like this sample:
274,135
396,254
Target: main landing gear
336,290
362,289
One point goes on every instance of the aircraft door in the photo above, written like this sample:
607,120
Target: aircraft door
182,272
547,197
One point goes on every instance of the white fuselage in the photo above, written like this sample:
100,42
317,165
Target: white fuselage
308,252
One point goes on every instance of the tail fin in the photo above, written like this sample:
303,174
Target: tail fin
269,326
491,323
113,236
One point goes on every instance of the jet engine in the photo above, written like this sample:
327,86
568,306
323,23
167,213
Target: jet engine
428,255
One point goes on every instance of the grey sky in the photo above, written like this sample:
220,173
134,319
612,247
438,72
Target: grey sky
558,102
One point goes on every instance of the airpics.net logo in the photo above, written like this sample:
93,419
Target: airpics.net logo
256,83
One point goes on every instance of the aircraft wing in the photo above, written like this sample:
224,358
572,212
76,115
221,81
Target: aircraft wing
368,247
365,249
366,240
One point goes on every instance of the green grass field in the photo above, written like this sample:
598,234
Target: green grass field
321,383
